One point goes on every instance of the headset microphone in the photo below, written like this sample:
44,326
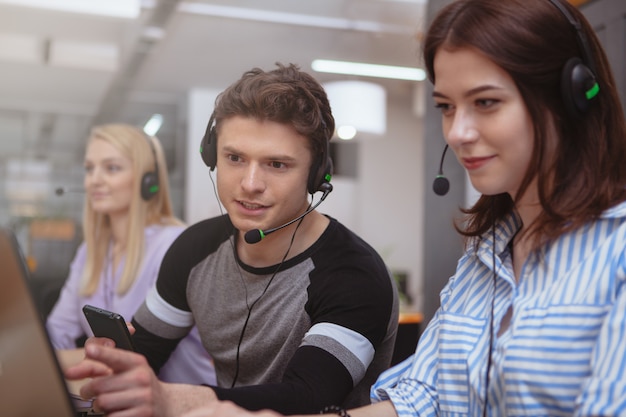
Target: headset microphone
256,235
441,185
64,190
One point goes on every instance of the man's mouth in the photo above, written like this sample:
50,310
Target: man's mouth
251,206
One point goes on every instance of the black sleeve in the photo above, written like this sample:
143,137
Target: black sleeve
193,245
157,350
313,380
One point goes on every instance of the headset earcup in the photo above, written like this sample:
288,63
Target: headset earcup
576,80
208,148
312,182
149,185
318,174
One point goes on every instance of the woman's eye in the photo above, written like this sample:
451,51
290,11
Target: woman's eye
445,108
486,103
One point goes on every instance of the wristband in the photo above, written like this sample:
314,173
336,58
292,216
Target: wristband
335,409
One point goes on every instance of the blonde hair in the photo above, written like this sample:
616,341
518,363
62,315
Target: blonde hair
135,145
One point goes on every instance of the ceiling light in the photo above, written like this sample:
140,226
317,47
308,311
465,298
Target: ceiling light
117,8
21,48
346,132
153,125
368,70
101,56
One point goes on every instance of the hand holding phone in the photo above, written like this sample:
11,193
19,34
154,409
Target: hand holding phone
105,323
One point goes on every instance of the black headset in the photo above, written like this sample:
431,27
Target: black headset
578,81
319,176
150,180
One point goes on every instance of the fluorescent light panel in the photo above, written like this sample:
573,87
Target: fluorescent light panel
101,56
21,48
117,8
369,70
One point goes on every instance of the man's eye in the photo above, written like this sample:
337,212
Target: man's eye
233,158
277,165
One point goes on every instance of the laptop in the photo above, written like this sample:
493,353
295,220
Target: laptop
31,380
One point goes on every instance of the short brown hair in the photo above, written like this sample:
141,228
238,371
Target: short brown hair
284,95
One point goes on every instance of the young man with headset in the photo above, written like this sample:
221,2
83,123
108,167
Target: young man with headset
297,311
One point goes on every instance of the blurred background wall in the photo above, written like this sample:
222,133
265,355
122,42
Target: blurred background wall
65,69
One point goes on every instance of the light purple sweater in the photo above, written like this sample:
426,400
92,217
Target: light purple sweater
189,363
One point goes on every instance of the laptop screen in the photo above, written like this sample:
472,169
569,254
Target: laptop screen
31,382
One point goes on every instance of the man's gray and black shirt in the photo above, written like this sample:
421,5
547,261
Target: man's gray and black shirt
320,335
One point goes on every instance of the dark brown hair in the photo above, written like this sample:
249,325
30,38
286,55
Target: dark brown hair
284,95
532,40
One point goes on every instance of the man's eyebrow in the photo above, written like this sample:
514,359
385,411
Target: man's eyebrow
276,157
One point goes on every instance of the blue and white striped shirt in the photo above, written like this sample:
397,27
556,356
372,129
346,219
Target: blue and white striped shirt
564,352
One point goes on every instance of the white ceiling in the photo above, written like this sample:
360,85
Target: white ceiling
62,72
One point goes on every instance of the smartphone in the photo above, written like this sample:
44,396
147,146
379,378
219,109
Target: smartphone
105,323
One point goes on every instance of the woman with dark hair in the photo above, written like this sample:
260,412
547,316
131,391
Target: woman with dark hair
533,321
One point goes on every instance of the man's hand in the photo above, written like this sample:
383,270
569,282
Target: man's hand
123,384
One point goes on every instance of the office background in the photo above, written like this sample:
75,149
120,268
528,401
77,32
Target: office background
64,71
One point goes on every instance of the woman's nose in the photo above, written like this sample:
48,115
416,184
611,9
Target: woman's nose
462,129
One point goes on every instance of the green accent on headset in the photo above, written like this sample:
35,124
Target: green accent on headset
328,177
262,234
593,91
200,148
154,189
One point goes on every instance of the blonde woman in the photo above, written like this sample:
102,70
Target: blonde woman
128,225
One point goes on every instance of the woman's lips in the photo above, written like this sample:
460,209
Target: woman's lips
475,163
